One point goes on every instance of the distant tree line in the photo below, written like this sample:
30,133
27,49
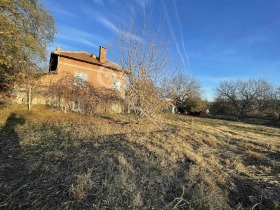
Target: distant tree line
243,99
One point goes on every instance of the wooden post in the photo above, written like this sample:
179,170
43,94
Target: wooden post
29,98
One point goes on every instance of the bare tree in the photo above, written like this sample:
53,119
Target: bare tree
245,96
180,88
71,93
276,103
148,62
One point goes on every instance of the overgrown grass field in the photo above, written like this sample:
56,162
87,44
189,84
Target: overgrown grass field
53,160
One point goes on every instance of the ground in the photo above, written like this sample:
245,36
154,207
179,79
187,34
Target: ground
53,160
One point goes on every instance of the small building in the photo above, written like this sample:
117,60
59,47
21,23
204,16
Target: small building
204,113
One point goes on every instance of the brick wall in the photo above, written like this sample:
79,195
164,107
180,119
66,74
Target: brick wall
98,76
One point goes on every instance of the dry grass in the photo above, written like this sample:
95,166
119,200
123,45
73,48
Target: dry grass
52,160
253,154
82,186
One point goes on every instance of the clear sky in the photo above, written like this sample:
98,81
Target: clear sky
215,40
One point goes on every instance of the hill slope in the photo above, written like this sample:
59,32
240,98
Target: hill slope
52,160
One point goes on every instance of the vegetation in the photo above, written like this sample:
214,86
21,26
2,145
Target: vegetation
148,62
52,160
243,98
195,105
28,28
73,94
182,88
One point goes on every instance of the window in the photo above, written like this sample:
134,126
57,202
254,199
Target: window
80,79
117,85
53,62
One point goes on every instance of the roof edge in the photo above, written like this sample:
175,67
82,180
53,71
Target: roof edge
101,64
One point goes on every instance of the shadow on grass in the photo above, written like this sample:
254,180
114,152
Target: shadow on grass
258,193
52,173
12,163
253,194
267,158
273,123
10,148
62,171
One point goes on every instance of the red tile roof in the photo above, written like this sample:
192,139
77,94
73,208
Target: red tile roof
88,58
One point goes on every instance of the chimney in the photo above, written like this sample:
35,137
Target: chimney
58,48
102,54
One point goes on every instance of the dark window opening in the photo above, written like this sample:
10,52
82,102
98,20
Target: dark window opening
53,62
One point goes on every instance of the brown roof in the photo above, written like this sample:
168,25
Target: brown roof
88,58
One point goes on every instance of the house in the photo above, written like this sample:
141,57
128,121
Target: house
107,78
96,70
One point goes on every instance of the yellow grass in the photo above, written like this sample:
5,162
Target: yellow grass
53,160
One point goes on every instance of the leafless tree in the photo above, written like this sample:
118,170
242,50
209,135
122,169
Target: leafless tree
147,59
276,102
180,88
72,93
245,96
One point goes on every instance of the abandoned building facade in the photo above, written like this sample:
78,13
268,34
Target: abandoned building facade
104,76
96,70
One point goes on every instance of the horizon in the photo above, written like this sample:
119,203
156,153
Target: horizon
214,41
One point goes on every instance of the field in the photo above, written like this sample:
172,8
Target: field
53,160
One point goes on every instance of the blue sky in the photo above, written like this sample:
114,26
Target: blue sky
214,40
